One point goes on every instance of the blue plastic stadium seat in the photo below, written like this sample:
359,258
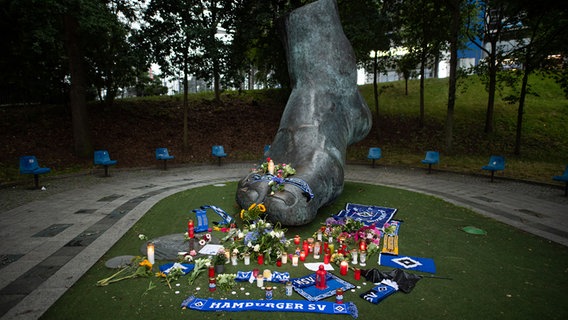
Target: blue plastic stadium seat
266,149
163,154
432,157
219,152
496,163
29,165
102,158
374,154
563,178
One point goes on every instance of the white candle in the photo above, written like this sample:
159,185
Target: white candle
150,252
295,260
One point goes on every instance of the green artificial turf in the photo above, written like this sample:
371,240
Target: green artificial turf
505,274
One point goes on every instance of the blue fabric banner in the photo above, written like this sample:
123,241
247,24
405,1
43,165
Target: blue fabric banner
325,307
408,263
367,214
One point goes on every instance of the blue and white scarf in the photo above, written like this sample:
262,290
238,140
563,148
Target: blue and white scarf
210,304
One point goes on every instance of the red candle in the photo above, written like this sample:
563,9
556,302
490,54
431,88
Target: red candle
303,255
190,229
278,263
211,271
357,274
326,258
325,247
362,245
260,259
297,240
343,267
306,246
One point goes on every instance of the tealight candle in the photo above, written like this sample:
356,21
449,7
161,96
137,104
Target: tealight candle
343,267
150,252
295,260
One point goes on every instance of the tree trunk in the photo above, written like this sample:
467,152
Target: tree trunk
521,109
185,102
455,12
376,93
422,76
491,89
216,80
83,146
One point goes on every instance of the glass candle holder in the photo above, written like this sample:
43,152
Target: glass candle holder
284,258
317,250
260,281
354,256
295,260
247,259
234,259
363,258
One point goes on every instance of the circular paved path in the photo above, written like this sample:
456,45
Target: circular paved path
49,239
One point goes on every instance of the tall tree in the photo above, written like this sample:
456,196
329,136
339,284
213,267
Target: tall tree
541,33
424,32
171,30
367,25
486,25
454,8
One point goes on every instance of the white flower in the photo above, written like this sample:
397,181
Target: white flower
273,234
235,250
256,247
249,244
268,225
142,237
240,235
252,226
188,258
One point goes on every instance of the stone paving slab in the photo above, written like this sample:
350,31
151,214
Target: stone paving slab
48,239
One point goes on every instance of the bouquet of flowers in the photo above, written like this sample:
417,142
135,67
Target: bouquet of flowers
254,212
139,267
259,237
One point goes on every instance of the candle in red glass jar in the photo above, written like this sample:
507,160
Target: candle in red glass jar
306,246
211,271
303,255
362,245
343,267
357,274
190,229
326,258
260,259
297,240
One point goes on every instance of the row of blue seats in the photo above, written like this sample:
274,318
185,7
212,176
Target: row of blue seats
30,165
496,163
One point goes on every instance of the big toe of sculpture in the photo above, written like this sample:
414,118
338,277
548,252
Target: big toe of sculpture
324,114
